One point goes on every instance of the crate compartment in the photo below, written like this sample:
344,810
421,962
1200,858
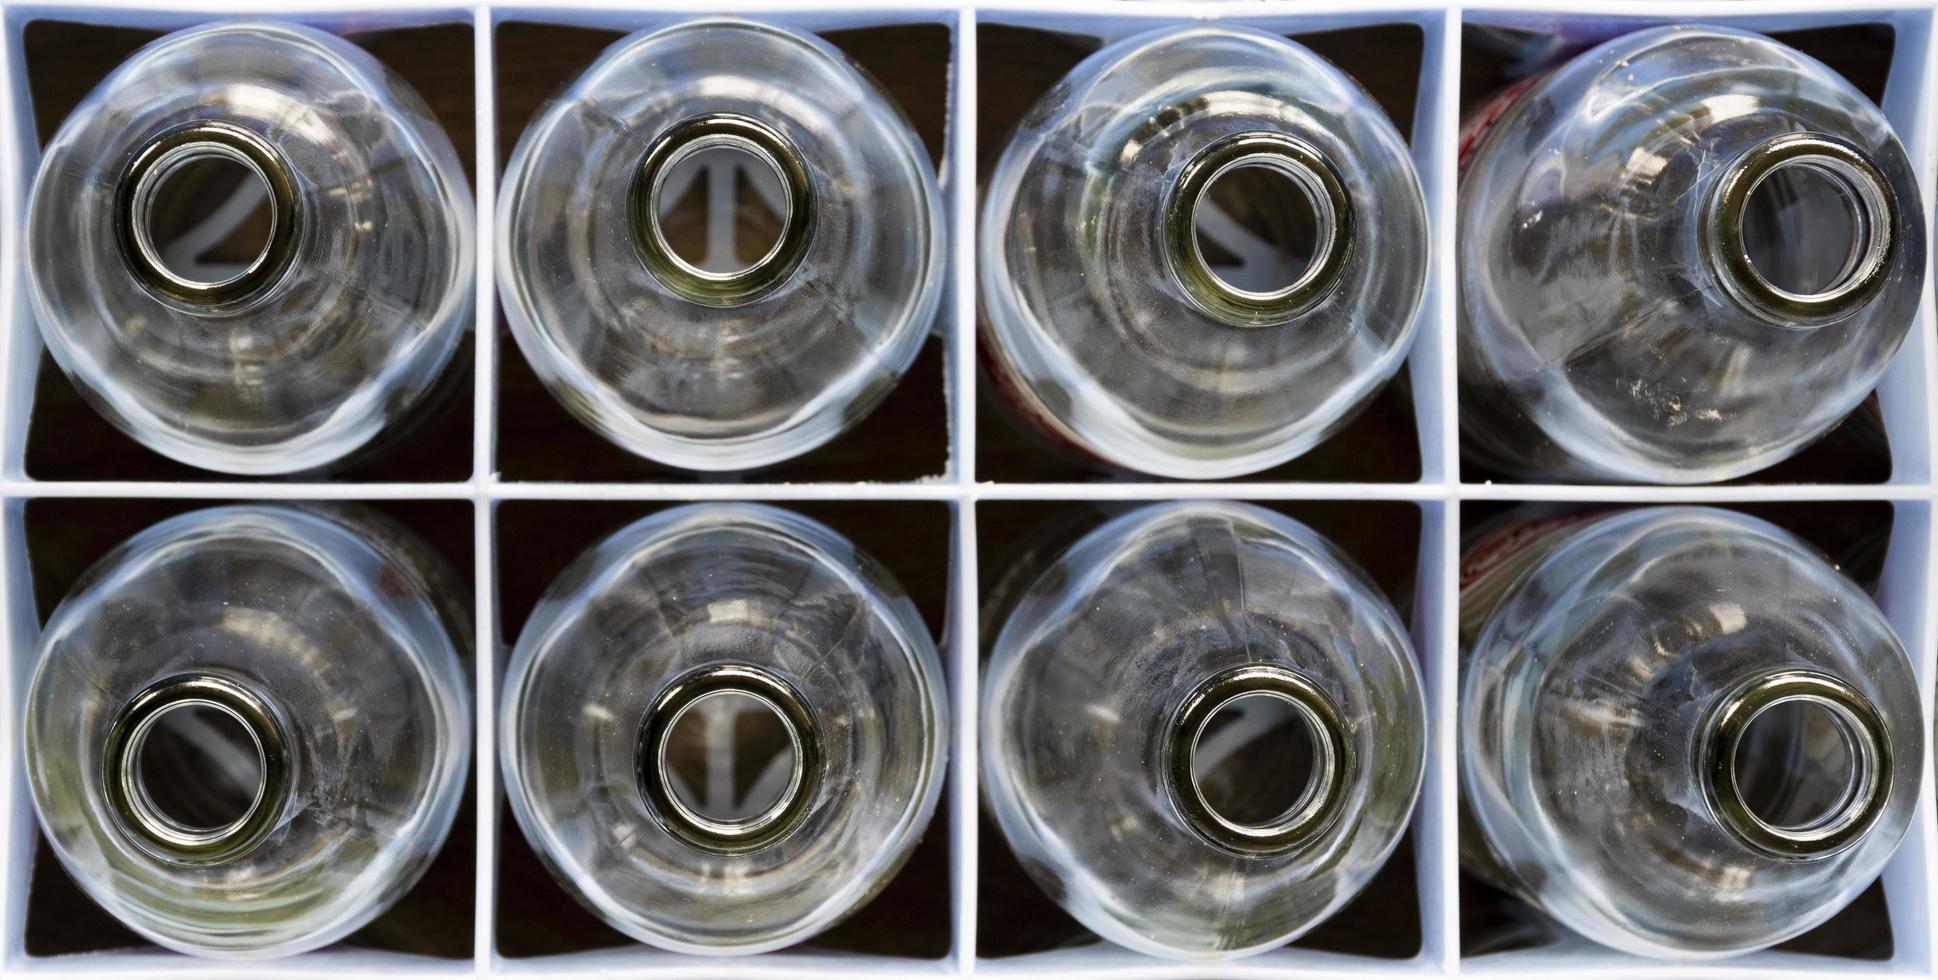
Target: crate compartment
429,927
536,920
63,54
905,439
1019,927
1394,55
1880,545
1879,51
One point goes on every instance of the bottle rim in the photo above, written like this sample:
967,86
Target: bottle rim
1865,738
767,146
164,156
147,825
1324,191
654,772
1320,802
1873,208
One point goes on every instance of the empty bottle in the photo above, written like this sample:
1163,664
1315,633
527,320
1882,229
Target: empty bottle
1201,254
1202,729
1683,733
249,727
1684,255
250,248
724,729
753,328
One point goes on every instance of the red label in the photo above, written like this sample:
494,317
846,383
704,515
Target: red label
1500,546
1495,563
1015,393
1489,113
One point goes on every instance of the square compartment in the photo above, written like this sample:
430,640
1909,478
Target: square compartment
909,925
912,54
1396,55
1885,548
431,927
1389,925
62,54
1881,52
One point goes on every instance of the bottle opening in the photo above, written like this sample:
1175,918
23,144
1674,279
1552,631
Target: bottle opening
197,769
1801,230
1258,227
1804,229
723,206
730,757
1797,765
207,217
1256,760
207,214
721,209
200,767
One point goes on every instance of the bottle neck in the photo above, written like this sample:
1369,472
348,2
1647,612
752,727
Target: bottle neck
1794,764
189,835
755,145
148,187
1800,230
1309,187
707,821
1278,807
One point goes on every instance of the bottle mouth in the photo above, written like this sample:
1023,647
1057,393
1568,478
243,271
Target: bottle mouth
698,731
1257,761
1796,765
1802,230
1282,264
671,163
168,171
231,775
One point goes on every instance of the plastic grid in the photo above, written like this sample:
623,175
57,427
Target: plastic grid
1907,397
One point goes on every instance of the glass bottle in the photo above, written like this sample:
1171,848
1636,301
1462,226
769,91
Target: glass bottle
1201,253
1202,729
1684,255
1683,733
724,729
249,727
655,324
250,248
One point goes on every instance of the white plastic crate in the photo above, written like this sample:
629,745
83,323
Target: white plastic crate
1906,590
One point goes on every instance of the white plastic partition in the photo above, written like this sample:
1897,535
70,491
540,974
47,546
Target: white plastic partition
1906,396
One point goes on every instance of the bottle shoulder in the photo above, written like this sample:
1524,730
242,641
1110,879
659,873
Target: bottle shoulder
1591,292
293,623
1115,174
1587,708
178,349
1122,648
691,604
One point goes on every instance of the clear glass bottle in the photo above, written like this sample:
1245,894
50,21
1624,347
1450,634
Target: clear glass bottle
1202,729
655,323
1683,733
1684,255
1200,253
249,727
724,729
250,248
